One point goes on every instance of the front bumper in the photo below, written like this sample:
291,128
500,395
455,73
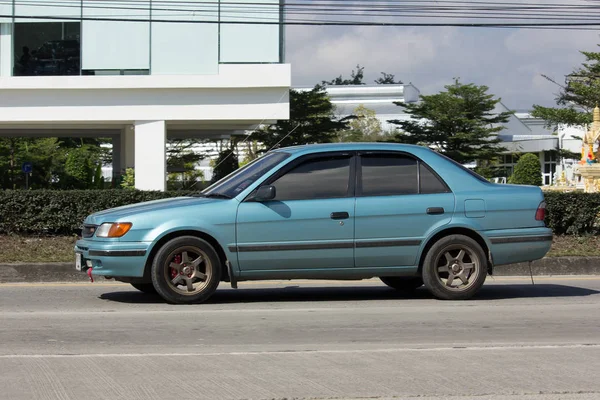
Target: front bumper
115,259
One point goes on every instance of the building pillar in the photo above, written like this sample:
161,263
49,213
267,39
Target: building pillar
150,155
6,50
127,148
116,156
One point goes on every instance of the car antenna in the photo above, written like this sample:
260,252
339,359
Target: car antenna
531,273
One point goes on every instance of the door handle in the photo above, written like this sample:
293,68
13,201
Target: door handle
435,210
340,215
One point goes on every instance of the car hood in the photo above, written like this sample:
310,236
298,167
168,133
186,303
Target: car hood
120,214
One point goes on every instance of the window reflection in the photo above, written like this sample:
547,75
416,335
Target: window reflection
47,48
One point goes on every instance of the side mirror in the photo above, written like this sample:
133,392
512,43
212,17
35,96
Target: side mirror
265,193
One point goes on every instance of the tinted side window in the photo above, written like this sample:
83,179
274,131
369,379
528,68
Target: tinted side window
385,175
430,183
322,178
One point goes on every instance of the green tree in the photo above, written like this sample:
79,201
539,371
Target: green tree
387,79
356,78
79,167
45,155
226,163
57,163
364,127
98,178
577,98
459,122
312,120
128,181
182,163
527,171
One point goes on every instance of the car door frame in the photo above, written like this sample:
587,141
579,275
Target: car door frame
291,165
410,244
360,153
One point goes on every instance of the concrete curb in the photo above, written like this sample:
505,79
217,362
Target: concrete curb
65,272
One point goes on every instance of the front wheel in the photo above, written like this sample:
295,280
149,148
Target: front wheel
186,270
455,268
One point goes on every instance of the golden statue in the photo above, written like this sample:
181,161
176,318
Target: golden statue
589,167
591,137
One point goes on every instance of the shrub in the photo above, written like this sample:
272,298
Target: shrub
528,171
62,212
574,213
54,212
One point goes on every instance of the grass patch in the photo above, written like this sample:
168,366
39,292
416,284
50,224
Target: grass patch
575,246
30,249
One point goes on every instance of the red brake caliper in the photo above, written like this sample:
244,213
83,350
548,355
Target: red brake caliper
176,260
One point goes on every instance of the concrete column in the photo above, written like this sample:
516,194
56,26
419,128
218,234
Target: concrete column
116,155
6,50
127,147
150,155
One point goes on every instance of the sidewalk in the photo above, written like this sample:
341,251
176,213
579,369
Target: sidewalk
65,272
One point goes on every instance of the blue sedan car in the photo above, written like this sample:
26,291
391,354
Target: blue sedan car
402,213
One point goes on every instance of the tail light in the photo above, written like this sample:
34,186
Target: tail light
540,213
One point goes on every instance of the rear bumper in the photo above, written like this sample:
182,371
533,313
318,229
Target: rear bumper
115,259
519,245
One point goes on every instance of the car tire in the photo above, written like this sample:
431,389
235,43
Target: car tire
403,284
452,261
147,288
186,270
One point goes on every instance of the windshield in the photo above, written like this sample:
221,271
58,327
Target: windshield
236,182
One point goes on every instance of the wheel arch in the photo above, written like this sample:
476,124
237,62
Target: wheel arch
188,232
458,230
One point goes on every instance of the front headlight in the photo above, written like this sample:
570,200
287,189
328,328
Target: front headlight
113,230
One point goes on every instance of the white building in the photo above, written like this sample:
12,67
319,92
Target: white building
140,72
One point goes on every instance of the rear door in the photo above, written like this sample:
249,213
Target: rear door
399,199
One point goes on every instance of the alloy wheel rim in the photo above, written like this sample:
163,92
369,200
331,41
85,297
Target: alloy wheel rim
187,270
457,268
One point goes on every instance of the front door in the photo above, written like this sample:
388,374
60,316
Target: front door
399,199
309,224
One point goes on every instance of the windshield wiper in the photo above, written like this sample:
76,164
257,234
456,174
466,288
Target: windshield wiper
213,196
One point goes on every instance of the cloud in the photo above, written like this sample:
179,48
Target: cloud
510,61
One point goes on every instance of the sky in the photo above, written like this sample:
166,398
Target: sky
509,61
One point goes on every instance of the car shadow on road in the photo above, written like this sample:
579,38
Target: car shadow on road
294,293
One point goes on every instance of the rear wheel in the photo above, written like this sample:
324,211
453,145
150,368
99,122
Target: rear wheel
186,270
455,268
147,288
403,284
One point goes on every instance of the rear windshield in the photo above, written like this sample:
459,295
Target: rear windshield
470,171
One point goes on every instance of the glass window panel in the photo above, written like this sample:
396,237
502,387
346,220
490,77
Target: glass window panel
6,9
46,48
116,44
250,43
59,10
429,182
185,47
324,178
388,175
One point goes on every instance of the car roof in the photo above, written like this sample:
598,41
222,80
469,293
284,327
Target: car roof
317,148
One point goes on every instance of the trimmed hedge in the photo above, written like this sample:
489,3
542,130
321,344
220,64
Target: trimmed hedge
573,213
50,212
62,212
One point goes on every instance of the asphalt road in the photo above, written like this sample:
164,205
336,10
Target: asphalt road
289,340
